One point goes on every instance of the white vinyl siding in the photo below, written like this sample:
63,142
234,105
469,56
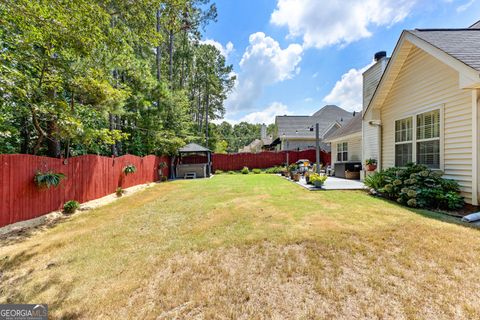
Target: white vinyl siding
354,148
422,85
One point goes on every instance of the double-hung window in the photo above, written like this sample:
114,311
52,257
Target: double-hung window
403,141
428,139
421,145
342,152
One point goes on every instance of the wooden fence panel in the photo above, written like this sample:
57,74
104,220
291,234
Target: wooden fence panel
88,177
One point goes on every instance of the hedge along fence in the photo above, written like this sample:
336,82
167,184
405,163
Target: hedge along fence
264,160
88,177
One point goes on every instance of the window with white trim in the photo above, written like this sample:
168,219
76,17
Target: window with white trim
428,139
403,141
342,152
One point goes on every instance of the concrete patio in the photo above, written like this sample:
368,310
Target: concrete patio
334,183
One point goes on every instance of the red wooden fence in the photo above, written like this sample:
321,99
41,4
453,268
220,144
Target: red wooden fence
91,177
87,177
263,160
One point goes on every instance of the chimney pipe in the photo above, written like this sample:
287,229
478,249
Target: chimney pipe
379,55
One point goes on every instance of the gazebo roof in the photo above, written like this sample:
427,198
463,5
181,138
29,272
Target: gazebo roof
193,147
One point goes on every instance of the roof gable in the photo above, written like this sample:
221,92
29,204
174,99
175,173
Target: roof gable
468,76
354,126
193,147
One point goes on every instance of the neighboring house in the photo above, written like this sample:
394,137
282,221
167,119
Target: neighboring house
258,145
346,142
425,108
298,132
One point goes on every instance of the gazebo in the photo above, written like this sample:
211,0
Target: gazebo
194,161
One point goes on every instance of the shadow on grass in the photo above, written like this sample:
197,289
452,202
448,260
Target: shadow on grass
435,215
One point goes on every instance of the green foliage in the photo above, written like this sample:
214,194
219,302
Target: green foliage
129,169
371,161
257,171
292,167
417,186
218,172
83,78
119,192
48,179
163,178
275,170
317,180
70,207
231,172
245,170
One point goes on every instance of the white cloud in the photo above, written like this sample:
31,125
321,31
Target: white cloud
325,23
268,115
347,92
465,6
263,63
225,50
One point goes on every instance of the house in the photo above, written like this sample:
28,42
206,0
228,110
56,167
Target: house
297,132
425,108
258,145
346,146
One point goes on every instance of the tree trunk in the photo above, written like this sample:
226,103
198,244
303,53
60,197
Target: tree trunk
111,119
118,144
159,49
170,52
207,103
25,136
53,144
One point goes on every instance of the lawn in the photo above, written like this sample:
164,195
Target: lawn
247,247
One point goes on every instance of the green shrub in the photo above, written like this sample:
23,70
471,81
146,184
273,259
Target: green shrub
275,170
231,172
163,178
417,186
70,207
129,169
317,180
218,171
119,192
257,171
245,170
48,179
293,167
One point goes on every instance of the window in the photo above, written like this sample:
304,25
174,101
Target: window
423,146
403,142
342,152
428,139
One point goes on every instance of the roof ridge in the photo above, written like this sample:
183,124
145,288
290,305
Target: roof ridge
446,29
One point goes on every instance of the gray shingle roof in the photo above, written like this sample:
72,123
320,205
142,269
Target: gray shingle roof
353,126
462,44
298,126
476,25
193,147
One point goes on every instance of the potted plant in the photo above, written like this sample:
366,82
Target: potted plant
370,164
292,169
70,207
45,180
317,180
119,192
307,176
129,169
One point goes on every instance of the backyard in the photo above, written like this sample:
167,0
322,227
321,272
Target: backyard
247,246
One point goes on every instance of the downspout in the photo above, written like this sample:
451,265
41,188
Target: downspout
475,134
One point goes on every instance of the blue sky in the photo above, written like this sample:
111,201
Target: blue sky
294,56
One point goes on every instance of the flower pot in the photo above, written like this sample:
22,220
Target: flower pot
296,177
371,167
318,184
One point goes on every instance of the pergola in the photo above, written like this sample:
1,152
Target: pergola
194,161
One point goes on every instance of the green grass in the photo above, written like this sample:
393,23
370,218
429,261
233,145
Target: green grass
247,246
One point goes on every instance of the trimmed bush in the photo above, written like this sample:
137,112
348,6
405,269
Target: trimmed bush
218,171
275,170
257,171
70,207
245,170
417,186
231,172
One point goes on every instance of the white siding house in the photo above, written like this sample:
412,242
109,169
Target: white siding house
426,106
